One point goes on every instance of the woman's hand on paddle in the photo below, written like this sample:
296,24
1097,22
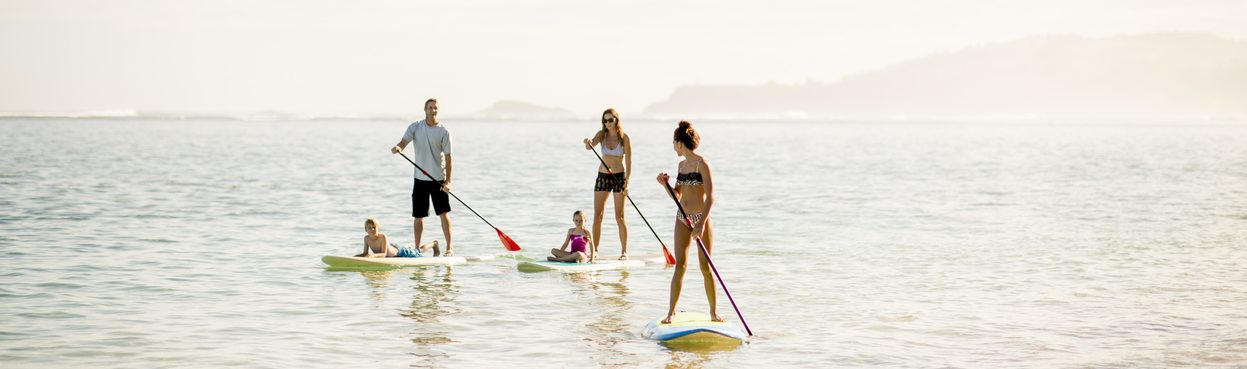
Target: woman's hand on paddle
663,177
588,144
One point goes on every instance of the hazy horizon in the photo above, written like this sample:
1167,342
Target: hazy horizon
374,58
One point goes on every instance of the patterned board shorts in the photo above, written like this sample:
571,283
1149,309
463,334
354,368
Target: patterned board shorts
609,182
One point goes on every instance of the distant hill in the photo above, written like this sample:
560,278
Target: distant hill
1151,74
510,109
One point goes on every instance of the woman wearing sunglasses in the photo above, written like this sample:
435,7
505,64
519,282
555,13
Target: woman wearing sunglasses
612,177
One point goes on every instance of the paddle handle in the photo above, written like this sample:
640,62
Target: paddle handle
452,194
689,222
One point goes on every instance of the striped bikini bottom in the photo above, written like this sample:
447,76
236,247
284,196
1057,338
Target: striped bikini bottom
696,217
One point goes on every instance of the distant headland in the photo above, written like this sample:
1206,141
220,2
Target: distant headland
1124,76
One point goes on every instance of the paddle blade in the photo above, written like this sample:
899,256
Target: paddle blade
507,242
667,254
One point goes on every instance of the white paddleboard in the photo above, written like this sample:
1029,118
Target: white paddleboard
540,266
363,262
479,257
694,331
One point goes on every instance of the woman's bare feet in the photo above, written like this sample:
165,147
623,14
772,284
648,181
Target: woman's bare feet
668,319
551,258
623,256
449,252
715,317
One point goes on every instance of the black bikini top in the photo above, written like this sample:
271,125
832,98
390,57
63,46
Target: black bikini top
689,179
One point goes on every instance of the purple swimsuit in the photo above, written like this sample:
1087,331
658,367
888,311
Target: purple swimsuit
578,243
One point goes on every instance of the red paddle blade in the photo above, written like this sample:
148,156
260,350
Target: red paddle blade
507,242
667,254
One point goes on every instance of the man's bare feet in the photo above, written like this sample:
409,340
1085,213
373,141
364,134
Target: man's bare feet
550,258
449,252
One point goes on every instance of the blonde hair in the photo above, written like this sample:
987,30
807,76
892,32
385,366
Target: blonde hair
373,222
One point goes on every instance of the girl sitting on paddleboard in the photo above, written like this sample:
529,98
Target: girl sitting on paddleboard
581,242
694,189
376,245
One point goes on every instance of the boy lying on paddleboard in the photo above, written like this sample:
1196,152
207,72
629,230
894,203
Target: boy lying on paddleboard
376,245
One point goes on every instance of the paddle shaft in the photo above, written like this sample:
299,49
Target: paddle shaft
452,194
689,222
634,207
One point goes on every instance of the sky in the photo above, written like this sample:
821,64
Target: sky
386,57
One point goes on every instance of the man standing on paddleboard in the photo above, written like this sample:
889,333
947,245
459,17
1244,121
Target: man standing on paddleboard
431,154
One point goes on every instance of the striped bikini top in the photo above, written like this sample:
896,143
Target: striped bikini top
689,179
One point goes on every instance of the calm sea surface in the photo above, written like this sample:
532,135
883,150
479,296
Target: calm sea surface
140,243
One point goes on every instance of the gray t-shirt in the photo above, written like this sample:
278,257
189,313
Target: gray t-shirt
428,145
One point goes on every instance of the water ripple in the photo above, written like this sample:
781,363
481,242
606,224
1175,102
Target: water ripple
901,245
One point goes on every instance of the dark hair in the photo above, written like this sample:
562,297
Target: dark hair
686,135
577,212
430,100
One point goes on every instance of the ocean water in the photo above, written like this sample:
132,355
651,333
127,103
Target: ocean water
144,243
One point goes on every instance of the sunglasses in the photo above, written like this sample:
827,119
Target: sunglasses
610,120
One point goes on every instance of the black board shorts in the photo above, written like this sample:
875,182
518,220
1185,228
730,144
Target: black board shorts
421,192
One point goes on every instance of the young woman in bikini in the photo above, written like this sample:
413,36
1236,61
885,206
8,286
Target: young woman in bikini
612,178
694,189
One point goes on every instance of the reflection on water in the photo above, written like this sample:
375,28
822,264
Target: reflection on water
433,296
688,360
609,330
434,290
378,280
